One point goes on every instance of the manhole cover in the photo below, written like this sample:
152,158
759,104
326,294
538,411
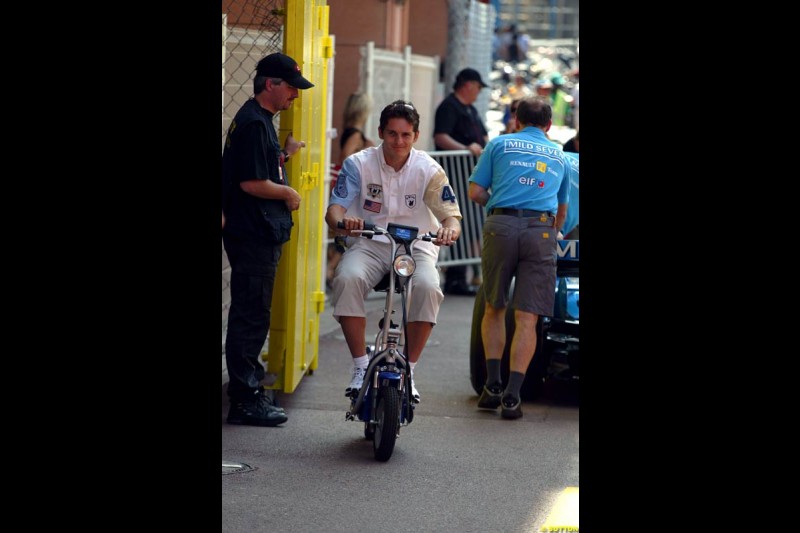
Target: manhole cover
229,467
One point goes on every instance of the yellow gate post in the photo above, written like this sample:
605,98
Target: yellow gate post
298,297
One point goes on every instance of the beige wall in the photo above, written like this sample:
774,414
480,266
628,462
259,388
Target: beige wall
355,22
427,33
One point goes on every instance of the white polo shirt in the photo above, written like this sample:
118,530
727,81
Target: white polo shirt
419,194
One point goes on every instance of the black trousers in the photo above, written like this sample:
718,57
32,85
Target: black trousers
455,275
253,269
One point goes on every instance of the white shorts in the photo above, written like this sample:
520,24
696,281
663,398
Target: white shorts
365,263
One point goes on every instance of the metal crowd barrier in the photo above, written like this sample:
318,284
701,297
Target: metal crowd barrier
458,165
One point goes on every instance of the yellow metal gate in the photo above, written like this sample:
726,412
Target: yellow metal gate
251,30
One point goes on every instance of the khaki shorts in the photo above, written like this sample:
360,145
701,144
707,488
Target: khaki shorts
524,248
365,263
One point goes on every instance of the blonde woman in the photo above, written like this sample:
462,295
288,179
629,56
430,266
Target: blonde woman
356,112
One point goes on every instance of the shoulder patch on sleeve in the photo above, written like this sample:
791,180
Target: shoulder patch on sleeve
340,191
447,194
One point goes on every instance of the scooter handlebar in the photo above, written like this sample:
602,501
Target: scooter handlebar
368,226
369,230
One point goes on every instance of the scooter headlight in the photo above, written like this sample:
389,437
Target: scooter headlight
404,265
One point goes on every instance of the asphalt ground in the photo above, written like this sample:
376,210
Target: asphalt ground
454,468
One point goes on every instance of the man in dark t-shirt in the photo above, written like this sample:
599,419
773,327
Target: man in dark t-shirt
458,126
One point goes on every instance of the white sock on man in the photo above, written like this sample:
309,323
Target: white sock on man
361,362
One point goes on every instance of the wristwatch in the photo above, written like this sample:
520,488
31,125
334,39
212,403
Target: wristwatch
285,155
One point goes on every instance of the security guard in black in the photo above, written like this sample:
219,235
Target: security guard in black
268,221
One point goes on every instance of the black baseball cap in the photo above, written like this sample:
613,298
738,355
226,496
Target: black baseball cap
281,66
469,74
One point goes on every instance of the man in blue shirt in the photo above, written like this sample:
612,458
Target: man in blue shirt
529,178
570,227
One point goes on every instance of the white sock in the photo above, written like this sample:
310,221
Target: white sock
361,362
411,366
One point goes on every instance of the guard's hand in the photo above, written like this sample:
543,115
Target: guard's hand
292,199
292,145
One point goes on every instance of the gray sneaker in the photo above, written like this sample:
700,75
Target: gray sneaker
512,407
490,397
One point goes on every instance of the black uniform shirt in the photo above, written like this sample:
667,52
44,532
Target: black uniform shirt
459,121
252,151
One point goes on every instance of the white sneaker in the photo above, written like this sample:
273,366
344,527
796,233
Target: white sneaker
414,391
357,380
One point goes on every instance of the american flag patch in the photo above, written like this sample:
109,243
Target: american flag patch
375,207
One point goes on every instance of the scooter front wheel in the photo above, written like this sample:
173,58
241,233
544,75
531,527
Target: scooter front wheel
387,417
